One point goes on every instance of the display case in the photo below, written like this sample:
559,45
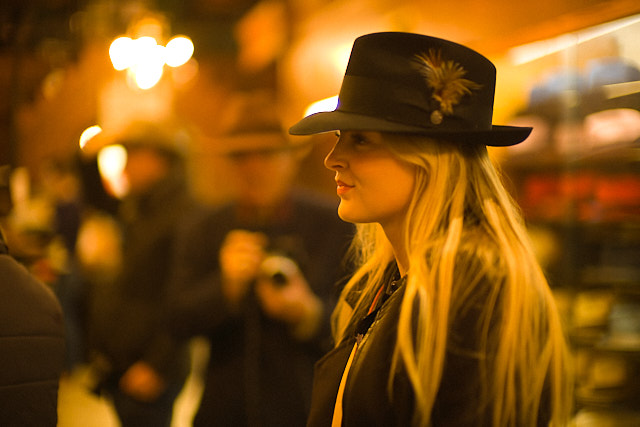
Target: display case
577,180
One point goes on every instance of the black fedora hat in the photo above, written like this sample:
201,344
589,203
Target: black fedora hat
412,83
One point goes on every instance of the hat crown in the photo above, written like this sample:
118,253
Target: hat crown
420,81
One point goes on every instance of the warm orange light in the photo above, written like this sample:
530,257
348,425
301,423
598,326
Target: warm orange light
144,59
121,53
185,73
89,133
148,67
111,162
530,52
327,104
178,51
340,57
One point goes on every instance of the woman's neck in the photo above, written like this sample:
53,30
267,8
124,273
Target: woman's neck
403,265
396,239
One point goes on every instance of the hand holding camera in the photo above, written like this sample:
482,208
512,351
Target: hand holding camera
280,286
241,255
285,295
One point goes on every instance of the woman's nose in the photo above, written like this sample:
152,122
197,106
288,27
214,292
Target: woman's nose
334,160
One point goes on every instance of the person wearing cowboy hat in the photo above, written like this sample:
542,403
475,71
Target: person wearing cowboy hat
448,319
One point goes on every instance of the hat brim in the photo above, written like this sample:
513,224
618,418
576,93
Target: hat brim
239,144
327,121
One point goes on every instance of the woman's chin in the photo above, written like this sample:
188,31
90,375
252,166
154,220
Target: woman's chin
347,216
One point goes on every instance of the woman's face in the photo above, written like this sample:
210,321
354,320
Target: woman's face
373,184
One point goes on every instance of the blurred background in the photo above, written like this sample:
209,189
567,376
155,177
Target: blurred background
72,68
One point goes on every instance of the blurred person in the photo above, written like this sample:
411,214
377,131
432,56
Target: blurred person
62,186
448,319
262,273
99,238
139,364
32,341
31,229
83,225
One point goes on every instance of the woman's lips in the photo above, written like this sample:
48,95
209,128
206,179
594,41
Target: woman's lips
343,188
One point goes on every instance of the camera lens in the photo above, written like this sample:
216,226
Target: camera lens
278,269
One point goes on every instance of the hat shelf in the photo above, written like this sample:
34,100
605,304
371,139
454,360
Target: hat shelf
577,179
587,208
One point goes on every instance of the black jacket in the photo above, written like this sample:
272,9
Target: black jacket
128,322
366,401
32,347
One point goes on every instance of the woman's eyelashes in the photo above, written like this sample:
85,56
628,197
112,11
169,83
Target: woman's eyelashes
358,140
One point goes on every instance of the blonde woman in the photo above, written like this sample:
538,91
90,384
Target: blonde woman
448,319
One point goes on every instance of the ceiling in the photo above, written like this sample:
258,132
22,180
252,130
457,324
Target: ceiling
38,36
496,23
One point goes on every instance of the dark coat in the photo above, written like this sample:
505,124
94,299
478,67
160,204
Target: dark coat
128,321
366,401
32,347
258,373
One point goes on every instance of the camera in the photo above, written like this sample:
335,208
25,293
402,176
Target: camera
278,269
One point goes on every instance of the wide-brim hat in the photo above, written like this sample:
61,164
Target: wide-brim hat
251,124
412,83
165,137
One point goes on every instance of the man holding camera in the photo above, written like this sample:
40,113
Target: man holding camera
261,274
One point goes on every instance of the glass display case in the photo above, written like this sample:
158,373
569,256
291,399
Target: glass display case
577,179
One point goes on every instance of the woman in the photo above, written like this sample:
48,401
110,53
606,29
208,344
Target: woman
448,319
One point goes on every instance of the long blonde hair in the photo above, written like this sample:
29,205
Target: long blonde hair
461,212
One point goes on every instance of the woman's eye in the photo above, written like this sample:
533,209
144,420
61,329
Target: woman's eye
358,139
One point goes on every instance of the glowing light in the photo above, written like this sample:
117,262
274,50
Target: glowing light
178,51
144,59
111,162
327,104
147,71
530,52
142,46
339,57
89,133
121,53
145,76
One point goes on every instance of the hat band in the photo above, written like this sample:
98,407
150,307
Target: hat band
372,97
399,103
